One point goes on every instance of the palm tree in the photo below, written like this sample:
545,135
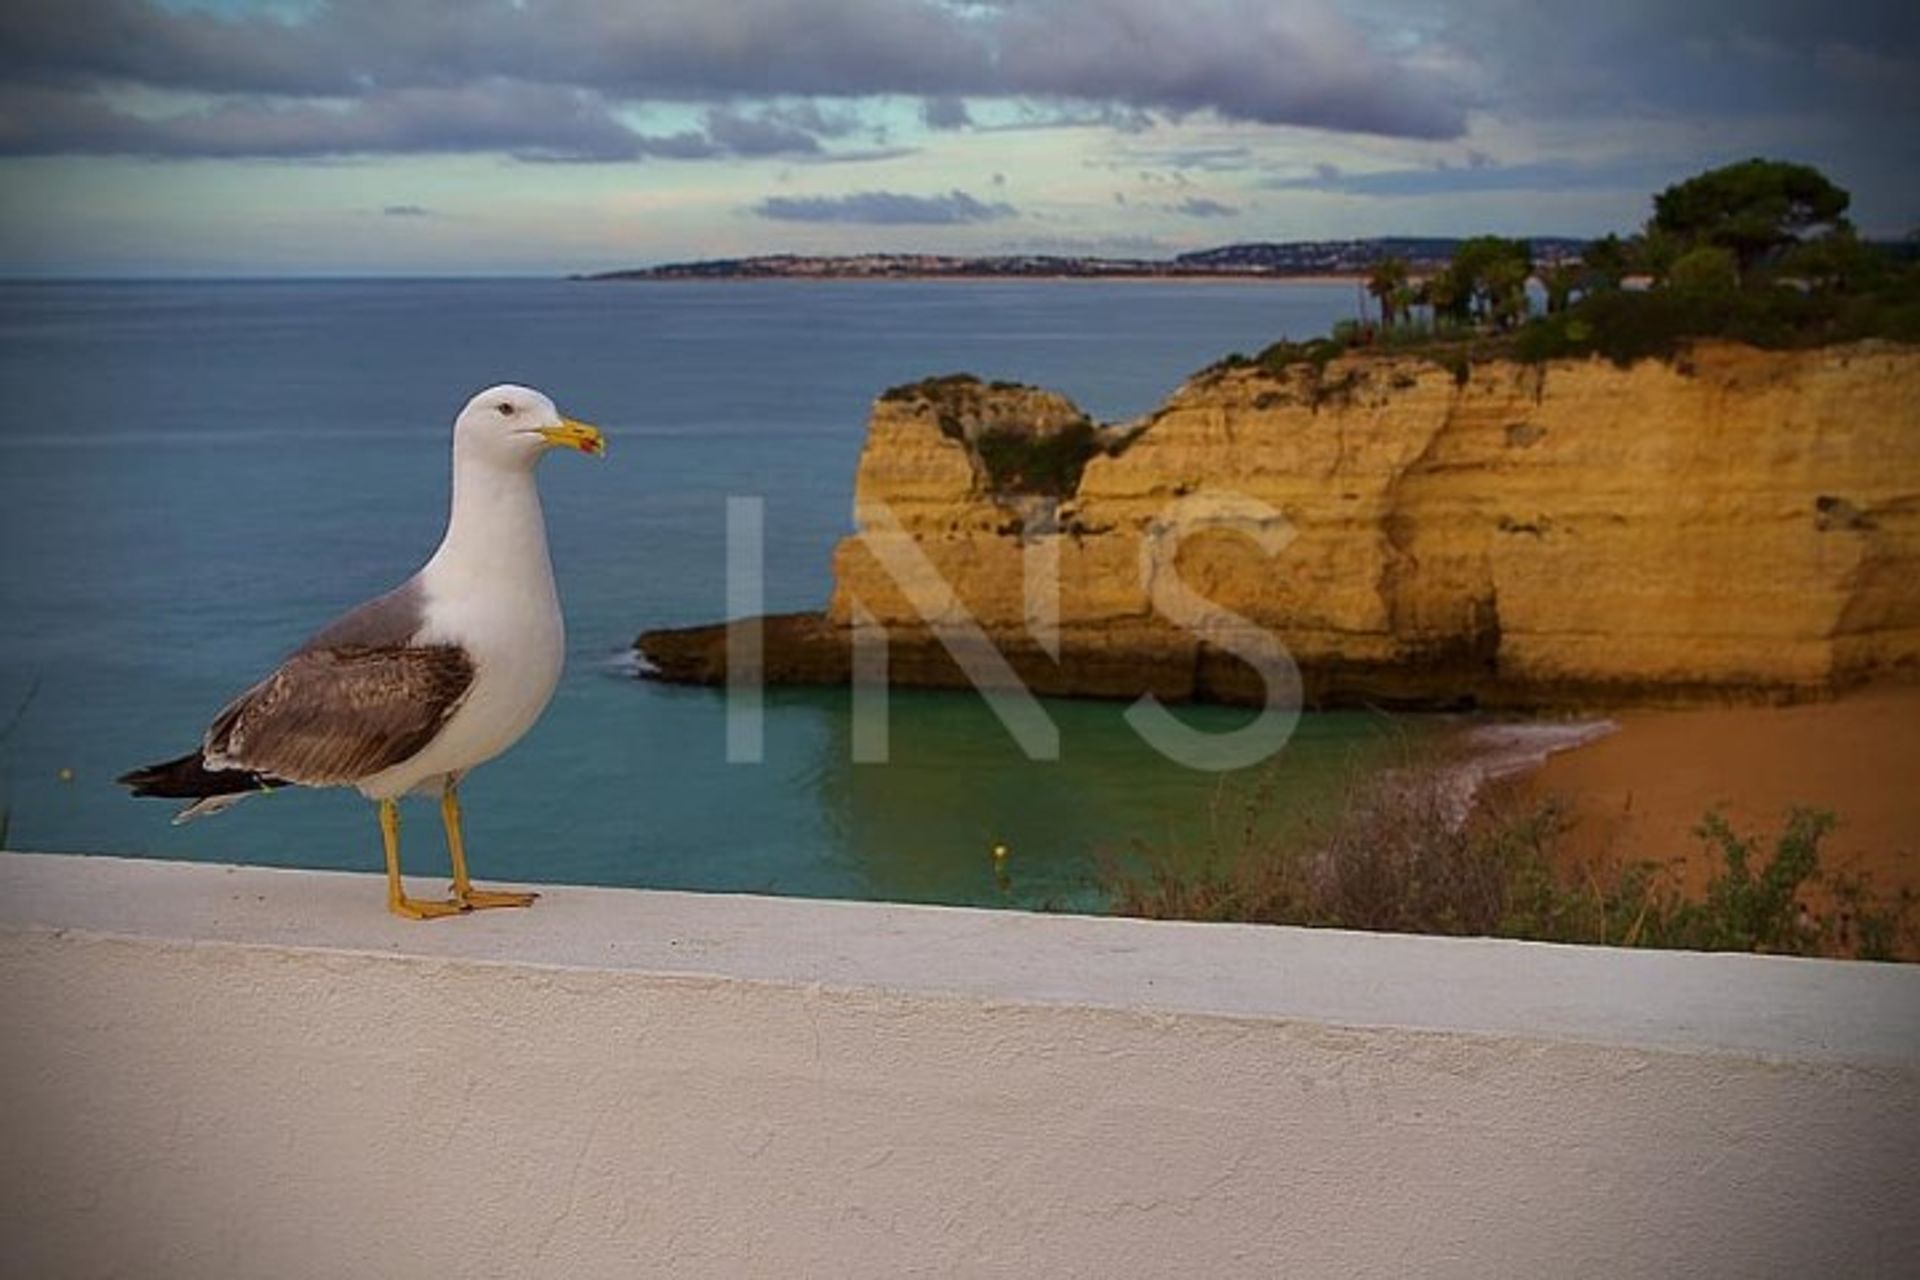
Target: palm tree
1560,280
1504,283
1403,299
1448,300
1385,284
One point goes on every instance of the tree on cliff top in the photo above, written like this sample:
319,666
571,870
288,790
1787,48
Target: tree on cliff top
1608,261
1755,209
1492,272
1386,284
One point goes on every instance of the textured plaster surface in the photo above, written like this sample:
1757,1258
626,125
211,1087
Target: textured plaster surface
210,1071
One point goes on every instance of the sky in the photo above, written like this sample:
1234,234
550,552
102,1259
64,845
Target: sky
355,137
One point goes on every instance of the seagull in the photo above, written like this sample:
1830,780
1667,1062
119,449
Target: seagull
414,688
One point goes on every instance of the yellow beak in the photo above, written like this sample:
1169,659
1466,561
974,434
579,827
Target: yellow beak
576,435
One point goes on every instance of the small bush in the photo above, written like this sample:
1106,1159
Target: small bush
1395,856
1284,355
1398,857
1749,907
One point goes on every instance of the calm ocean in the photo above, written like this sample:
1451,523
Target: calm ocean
193,476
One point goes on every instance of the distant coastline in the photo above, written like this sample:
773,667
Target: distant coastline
1288,260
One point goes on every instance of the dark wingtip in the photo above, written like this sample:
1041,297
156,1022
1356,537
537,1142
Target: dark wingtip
149,775
144,774
188,778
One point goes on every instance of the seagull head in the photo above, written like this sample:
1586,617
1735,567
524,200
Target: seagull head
512,426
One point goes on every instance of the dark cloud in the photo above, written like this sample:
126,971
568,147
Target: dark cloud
1201,207
359,75
1052,115
139,42
885,208
354,76
537,122
1640,58
1270,61
758,135
406,211
945,112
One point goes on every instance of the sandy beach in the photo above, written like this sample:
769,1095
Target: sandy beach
1638,793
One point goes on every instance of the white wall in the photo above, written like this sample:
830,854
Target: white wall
225,1072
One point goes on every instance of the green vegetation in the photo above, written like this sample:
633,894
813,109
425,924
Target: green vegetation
1390,287
1485,282
1018,456
1397,857
1047,464
1759,252
938,389
1751,210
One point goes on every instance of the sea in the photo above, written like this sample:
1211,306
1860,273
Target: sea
196,475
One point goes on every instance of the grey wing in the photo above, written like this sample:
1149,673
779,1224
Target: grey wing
330,717
388,622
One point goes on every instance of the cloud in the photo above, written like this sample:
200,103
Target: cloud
351,76
1652,58
1483,174
1275,61
945,112
758,135
1030,116
339,77
406,211
536,122
885,208
138,42
1270,61
1201,207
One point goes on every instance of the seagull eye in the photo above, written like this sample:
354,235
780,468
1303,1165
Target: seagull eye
505,408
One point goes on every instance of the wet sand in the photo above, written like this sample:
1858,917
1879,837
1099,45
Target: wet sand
1638,793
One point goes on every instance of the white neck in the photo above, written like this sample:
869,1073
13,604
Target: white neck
496,533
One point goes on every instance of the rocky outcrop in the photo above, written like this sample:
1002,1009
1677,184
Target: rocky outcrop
1734,522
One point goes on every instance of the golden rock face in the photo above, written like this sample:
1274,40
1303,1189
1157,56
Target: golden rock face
1735,521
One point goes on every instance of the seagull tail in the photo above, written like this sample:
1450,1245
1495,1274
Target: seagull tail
211,790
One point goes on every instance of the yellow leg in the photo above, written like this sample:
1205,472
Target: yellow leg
463,891
397,900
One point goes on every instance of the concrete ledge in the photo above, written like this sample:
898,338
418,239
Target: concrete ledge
236,1071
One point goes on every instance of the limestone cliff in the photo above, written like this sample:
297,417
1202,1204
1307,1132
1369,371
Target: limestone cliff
1732,522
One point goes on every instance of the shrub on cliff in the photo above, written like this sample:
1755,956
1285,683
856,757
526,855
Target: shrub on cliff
1045,464
1625,326
1026,440
1397,857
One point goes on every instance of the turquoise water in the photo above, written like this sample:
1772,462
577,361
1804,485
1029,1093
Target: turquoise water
193,476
